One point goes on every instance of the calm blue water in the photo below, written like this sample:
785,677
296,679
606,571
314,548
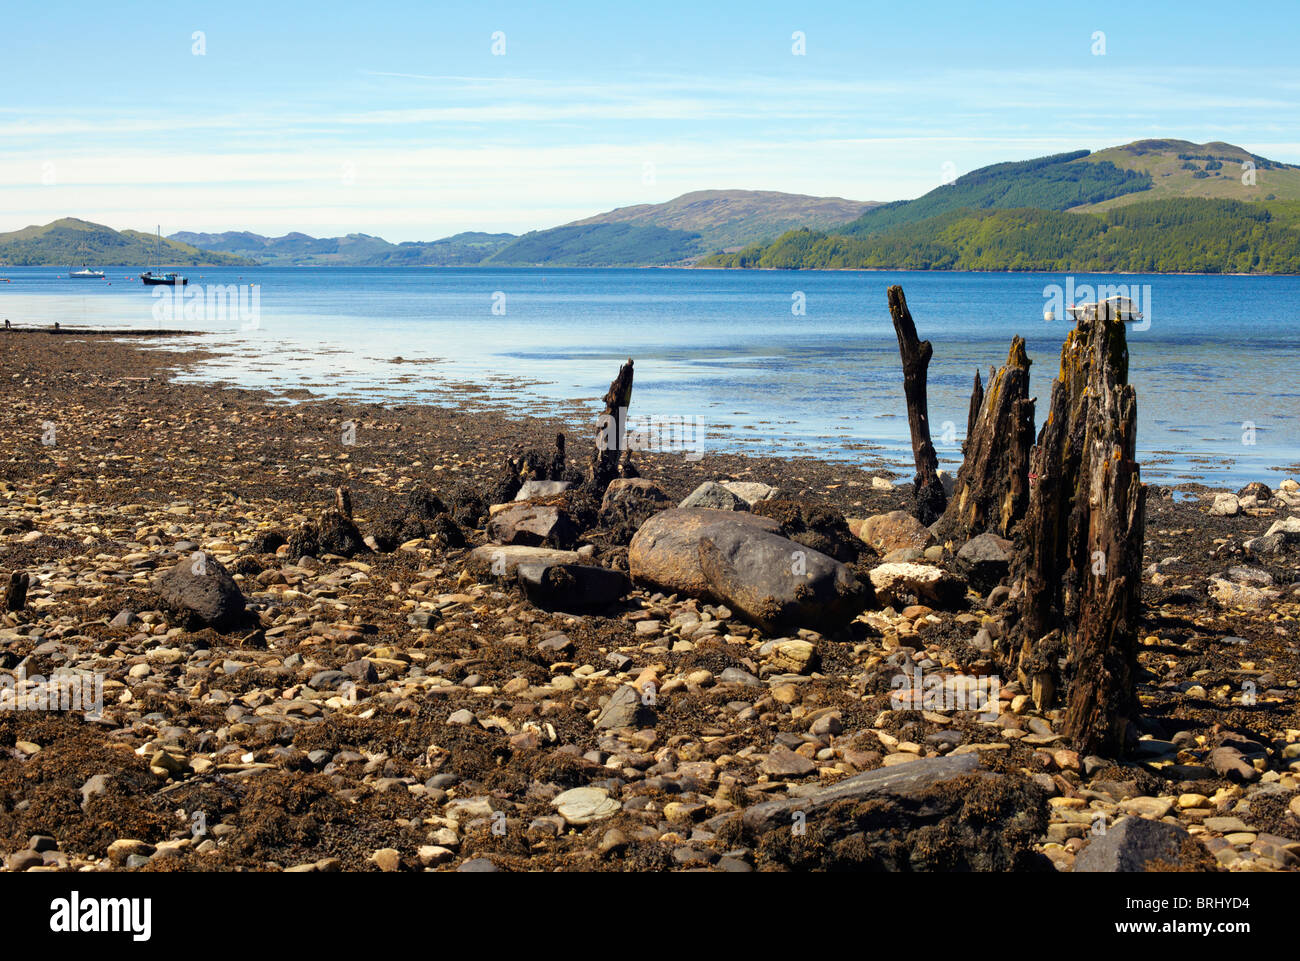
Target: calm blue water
1219,354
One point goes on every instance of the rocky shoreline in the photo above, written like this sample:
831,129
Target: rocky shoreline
371,682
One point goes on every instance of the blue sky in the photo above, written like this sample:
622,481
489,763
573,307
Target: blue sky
397,119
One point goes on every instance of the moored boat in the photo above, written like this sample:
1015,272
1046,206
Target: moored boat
169,279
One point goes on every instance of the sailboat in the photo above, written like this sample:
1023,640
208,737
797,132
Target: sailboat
85,273
149,278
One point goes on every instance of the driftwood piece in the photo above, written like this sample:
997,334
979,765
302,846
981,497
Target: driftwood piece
1082,557
929,499
991,492
611,431
16,592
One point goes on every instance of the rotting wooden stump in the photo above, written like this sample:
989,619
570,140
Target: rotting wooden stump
16,592
991,492
611,432
928,496
1081,563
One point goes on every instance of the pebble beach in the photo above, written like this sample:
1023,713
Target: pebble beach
399,705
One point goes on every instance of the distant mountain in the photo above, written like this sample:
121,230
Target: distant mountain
353,250
733,218
75,242
1153,205
677,231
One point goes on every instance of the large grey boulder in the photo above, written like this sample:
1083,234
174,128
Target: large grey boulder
665,553
742,560
198,586
777,583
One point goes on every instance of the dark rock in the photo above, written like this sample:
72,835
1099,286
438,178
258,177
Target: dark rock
571,587
361,669
200,587
533,526
628,503
1133,844
1256,489
934,814
424,620
624,709
985,560
902,779
266,542
1229,763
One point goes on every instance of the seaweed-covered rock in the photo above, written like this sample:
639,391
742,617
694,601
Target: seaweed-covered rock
198,586
934,814
1137,844
822,528
628,503
571,587
337,534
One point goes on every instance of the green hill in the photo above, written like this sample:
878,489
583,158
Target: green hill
75,242
1152,205
1194,235
1180,168
599,245
353,250
1058,182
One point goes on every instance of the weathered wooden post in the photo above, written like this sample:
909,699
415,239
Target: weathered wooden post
611,430
929,499
991,492
1081,563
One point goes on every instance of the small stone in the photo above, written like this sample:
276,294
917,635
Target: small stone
387,859
123,848
582,805
22,860
783,762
